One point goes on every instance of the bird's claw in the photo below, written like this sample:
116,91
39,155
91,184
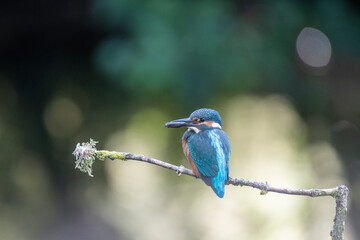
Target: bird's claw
180,170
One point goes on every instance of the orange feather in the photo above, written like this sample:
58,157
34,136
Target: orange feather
187,154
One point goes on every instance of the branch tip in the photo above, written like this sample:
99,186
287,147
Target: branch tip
84,154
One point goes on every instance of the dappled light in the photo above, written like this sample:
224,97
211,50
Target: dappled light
314,50
313,47
62,117
283,75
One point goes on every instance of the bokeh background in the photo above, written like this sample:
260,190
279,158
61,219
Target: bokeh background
284,75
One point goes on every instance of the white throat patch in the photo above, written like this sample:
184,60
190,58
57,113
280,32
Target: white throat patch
195,129
216,125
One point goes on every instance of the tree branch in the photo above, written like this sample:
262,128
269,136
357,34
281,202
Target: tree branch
86,153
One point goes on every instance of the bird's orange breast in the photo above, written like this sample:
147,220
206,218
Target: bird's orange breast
188,156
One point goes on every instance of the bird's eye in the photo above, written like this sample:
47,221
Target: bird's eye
202,119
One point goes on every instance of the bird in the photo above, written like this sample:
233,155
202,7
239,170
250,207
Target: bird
206,146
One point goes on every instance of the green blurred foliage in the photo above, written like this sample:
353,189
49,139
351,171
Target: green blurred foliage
193,49
200,49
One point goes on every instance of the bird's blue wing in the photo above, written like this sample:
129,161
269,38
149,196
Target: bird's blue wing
220,142
225,146
203,152
224,141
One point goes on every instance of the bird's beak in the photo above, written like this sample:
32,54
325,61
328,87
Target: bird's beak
184,122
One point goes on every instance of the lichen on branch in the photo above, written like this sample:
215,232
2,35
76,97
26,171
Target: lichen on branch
85,156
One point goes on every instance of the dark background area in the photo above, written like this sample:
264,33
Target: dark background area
74,70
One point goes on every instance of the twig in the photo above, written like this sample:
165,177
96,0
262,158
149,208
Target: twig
86,153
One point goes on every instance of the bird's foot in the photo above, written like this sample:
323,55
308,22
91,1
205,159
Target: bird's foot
180,170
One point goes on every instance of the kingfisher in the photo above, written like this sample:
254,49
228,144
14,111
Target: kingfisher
206,146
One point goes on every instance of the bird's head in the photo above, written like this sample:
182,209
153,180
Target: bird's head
199,120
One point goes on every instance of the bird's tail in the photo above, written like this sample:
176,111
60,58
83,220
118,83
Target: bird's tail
216,184
219,188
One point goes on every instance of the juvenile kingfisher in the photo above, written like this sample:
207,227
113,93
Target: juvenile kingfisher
206,147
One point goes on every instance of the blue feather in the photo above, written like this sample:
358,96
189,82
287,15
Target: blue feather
210,152
218,182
